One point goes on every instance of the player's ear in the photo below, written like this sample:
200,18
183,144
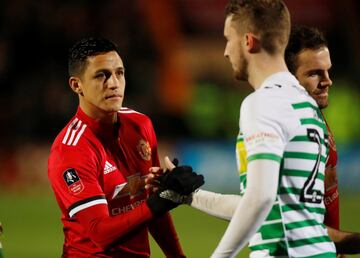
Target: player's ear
75,84
252,43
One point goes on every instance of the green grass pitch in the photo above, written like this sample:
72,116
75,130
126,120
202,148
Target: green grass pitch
32,227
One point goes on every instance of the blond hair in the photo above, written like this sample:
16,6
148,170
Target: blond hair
269,20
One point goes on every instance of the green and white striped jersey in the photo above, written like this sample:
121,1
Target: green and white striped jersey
281,122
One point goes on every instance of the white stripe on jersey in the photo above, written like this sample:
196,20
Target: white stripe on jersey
86,205
305,232
269,222
79,134
125,110
304,164
74,132
264,253
69,130
257,238
310,250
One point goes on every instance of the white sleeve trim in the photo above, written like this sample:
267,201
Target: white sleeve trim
81,207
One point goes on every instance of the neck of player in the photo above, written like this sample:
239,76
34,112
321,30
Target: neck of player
264,65
98,114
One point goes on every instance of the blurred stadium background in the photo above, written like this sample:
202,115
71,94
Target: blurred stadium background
176,74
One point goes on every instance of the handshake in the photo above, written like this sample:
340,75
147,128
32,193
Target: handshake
172,187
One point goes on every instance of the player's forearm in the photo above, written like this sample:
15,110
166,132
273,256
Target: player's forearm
163,231
260,194
331,198
345,242
104,229
246,220
219,205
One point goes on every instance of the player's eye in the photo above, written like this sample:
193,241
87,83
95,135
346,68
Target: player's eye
103,75
313,73
329,72
100,75
120,72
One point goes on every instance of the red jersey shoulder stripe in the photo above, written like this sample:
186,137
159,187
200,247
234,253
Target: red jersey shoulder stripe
125,110
74,132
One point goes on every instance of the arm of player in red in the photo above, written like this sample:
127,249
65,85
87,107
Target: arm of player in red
163,231
103,229
345,242
331,199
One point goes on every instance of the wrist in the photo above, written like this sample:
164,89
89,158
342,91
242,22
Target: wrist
159,206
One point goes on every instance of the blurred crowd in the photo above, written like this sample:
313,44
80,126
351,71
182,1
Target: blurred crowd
172,51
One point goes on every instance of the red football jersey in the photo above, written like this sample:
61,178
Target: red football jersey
331,198
91,164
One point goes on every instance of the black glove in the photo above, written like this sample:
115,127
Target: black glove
181,180
159,205
174,188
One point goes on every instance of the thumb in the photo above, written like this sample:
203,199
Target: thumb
168,164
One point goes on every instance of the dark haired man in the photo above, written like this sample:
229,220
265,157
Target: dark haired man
98,163
308,58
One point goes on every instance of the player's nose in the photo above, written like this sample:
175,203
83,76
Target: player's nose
226,51
326,80
113,82
226,55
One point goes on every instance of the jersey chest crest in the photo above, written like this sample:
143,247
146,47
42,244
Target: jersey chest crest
144,150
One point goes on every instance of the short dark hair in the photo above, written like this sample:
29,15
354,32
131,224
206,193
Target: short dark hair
269,19
87,47
301,38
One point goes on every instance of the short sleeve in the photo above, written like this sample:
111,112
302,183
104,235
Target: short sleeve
263,127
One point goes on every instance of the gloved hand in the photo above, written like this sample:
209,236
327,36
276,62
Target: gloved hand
151,180
175,185
181,180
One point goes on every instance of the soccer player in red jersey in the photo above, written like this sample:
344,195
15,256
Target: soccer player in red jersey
98,163
308,58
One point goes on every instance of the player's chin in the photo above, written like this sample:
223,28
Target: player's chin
115,107
322,102
241,76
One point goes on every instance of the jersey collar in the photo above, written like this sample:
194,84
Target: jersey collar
282,78
100,129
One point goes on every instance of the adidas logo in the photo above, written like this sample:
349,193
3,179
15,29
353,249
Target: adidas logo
108,168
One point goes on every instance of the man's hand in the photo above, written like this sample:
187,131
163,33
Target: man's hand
152,179
173,186
181,180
